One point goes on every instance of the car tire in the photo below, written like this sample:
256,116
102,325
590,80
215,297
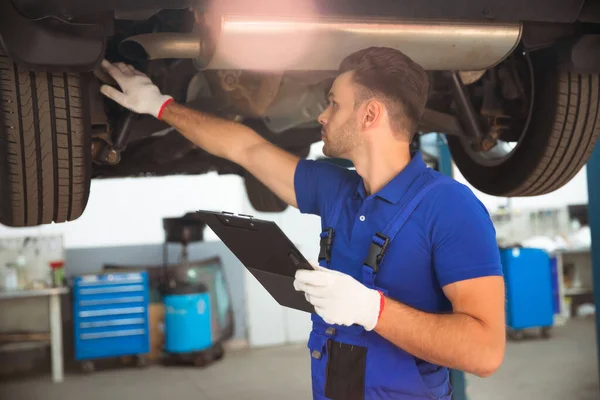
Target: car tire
45,150
560,137
262,198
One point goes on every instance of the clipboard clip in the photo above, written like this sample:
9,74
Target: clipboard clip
237,215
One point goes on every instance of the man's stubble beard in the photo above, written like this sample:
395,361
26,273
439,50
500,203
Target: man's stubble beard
345,140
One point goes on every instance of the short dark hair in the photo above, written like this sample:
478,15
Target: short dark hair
392,77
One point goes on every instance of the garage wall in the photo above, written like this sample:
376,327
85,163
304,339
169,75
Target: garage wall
25,314
123,224
91,260
268,323
129,211
124,216
574,192
125,213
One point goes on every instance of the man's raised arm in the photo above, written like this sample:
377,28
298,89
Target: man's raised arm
273,166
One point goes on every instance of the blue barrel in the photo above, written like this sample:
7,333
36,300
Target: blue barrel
187,319
528,279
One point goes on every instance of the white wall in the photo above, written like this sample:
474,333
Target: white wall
268,323
130,211
574,192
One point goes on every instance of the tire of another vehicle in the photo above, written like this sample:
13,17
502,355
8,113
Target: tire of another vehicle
561,136
45,152
262,198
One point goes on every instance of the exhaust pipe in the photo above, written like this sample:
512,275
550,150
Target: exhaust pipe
153,46
320,44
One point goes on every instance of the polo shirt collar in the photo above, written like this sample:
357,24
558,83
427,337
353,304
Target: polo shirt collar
395,189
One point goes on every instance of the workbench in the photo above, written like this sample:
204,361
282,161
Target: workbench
55,326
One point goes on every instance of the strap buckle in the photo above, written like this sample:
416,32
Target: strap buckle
377,250
326,244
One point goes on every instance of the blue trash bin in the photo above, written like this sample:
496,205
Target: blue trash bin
529,293
188,324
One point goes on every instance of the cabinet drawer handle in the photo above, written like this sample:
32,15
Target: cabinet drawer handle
114,322
103,282
116,311
104,335
117,300
116,289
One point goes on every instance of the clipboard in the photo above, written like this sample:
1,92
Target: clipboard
265,250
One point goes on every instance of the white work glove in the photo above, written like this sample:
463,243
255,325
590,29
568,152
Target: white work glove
138,94
338,298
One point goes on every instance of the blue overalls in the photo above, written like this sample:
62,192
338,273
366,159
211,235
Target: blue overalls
349,362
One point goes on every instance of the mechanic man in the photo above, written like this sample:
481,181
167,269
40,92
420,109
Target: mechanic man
410,282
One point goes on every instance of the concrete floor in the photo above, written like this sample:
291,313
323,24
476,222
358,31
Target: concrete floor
563,367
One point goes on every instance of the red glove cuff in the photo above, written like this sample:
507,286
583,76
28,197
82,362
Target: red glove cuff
162,108
381,304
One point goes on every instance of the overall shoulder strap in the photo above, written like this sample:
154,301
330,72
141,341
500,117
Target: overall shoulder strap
382,239
328,229
400,218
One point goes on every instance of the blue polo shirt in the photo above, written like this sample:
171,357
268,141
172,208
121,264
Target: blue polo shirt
450,236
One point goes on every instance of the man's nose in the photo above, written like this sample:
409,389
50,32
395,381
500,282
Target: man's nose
322,118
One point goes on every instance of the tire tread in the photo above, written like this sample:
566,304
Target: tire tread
45,159
573,136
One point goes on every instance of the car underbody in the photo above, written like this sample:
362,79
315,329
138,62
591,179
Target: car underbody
516,89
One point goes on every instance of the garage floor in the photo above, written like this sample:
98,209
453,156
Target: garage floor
561,368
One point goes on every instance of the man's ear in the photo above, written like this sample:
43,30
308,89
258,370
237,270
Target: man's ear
374,112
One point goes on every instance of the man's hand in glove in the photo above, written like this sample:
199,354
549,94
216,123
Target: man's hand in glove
138,94
339,298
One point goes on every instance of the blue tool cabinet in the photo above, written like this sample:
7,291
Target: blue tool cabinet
529,292
110,313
